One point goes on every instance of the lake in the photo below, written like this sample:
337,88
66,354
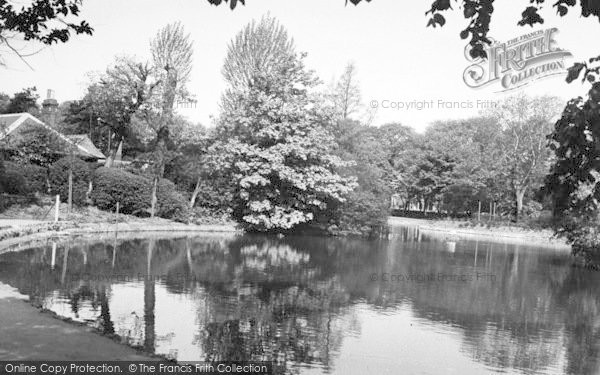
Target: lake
414,303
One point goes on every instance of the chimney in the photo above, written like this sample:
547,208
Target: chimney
49,108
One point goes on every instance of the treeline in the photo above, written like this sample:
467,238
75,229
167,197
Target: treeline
286,153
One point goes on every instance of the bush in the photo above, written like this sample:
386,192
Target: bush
13,181
36,176
134,194
364,213
112,185
58,175
171,204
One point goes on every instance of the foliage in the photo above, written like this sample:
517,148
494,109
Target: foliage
233,3
45,21
33,144
525,123
371,151
35,176
573,179
273,144
133,193
170,203
345,94
364,213
34,22
117,96
58,176
261,47
13,181
23,101
112,185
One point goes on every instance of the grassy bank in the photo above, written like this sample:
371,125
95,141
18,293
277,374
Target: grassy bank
22,225
484,230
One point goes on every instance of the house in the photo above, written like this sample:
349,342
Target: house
14,127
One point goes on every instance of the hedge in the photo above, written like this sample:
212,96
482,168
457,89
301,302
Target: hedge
134,193
58,175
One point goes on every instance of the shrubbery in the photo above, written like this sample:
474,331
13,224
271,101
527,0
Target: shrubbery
13,181
36,177
58,176
171,204
364,213
134,192
23,179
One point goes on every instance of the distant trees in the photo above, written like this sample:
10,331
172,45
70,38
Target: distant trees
496,158
22,101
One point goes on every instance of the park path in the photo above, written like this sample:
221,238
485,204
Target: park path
28,334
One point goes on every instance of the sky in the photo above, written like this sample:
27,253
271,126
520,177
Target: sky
398,58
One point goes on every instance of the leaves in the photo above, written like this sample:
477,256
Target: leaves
574,72
272,142
33,21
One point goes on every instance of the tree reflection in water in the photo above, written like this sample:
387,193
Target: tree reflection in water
297,300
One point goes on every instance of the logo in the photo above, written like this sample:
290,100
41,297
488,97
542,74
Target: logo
518,62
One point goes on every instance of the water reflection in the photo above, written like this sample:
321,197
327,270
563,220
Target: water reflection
413,303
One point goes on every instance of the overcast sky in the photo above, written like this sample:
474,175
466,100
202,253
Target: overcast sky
398,59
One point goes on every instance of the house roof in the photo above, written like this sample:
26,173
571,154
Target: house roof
85,147
85,144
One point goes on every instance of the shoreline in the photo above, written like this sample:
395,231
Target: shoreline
30,333
503,234
27,234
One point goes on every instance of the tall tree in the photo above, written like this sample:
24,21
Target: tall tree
261,47
526,123
172,58
346,94
274,143
118,95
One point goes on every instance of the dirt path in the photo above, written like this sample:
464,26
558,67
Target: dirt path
28,334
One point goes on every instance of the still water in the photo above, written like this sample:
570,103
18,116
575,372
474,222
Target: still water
415,303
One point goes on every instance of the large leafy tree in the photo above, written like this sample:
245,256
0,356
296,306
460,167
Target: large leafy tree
172,63
117,96
274,143
525,122
262,46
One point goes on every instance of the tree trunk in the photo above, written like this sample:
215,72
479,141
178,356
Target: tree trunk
70,201
195,194
154,199
519,195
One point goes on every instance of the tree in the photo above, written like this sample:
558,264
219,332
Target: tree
172,58
262,46
274,144
23,101
346,94
118,95
526,123
44,21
